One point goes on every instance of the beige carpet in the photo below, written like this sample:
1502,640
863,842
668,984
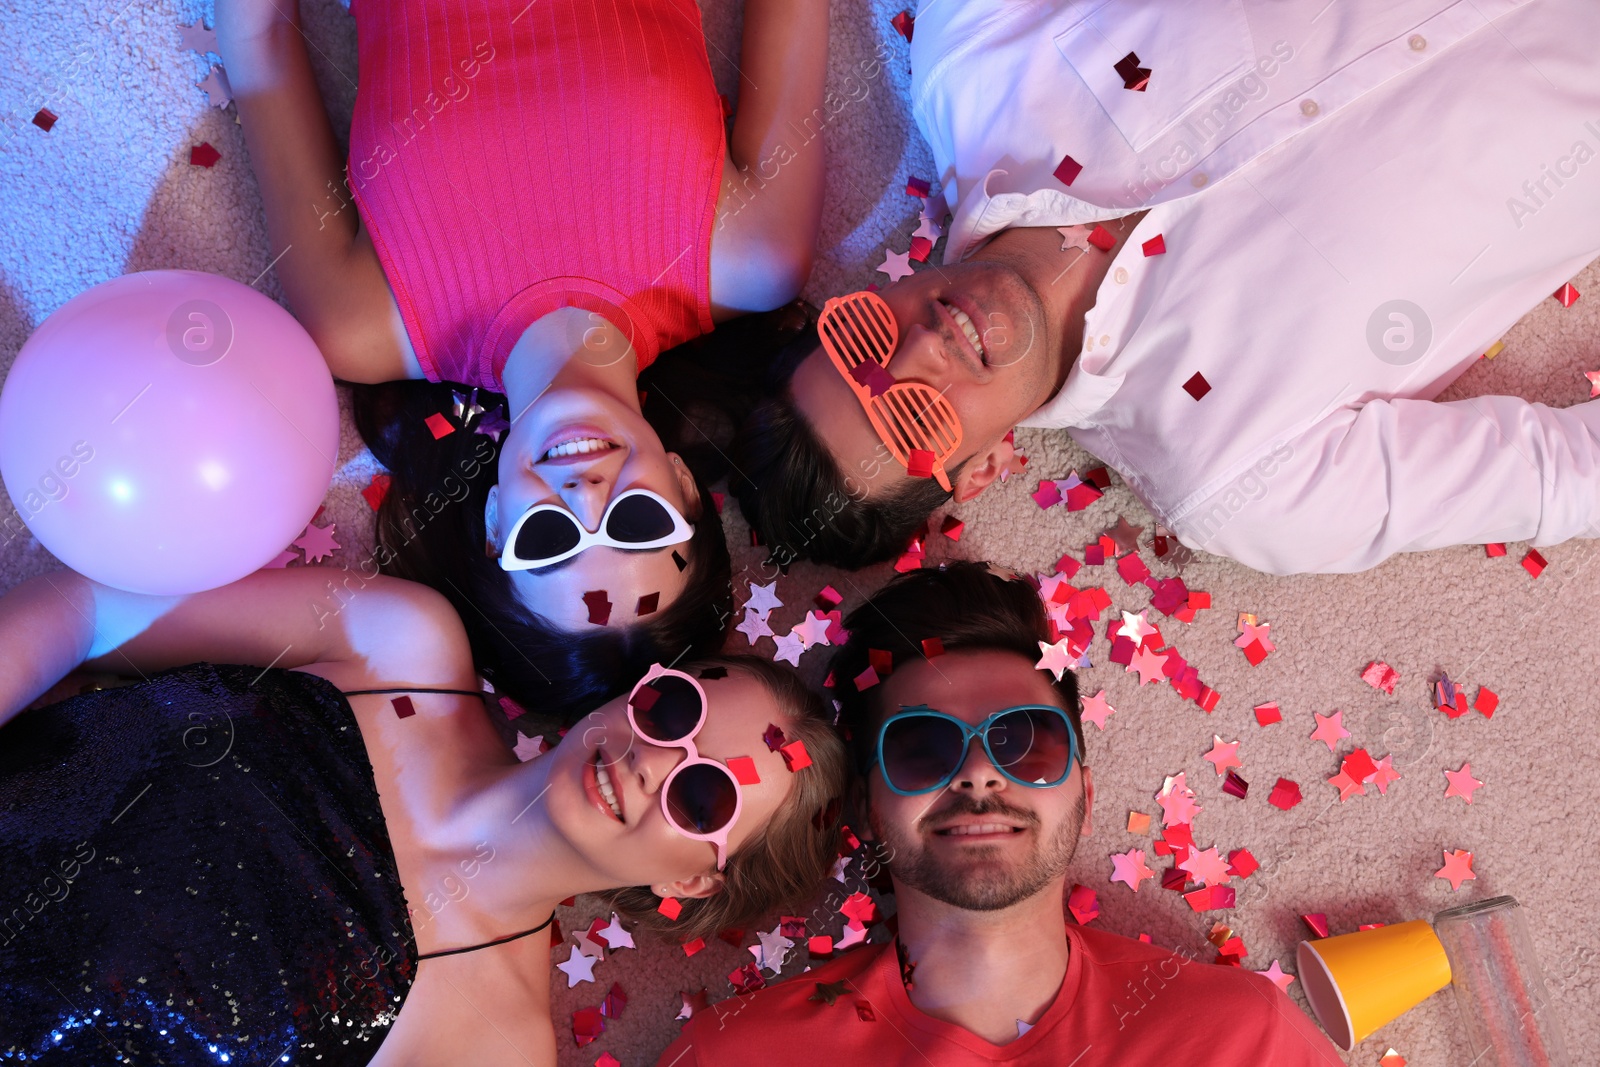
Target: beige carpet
110,190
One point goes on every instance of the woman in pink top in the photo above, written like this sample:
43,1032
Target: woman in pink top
540,198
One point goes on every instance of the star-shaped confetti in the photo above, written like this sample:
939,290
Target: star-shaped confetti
853,935
578,968
1130,868
896,265
218,91
1330,729
928,229
774,949
1223,754
754,626
1277,976
1177,802
197,38
1457,868
1148,663
615,935
493,423
1383,773
1594,382
1074,237
1462,783
1249,633
828,992
1135,627
1347,785
763,598
1207,866
317,542
813,629
1125,535
528,747
1096,709
790,645
841,867
1056,658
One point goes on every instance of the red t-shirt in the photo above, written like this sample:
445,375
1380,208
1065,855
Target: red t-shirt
1123,1003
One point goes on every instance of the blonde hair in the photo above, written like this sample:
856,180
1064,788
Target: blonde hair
782,864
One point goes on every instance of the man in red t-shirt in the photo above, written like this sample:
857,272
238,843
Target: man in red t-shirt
984,969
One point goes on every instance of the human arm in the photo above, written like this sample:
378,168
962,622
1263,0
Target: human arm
1410,475
771,203
329,270
349,627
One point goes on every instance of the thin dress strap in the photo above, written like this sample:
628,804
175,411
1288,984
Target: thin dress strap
487,944
413,689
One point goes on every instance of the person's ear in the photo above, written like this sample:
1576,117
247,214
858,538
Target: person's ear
698,887
491,522
1088,804
983,469
686,484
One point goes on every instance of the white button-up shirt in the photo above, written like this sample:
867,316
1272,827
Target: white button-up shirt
1356,199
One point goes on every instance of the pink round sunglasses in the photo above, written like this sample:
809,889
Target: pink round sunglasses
701,798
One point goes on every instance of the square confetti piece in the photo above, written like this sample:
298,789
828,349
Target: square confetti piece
1207,699
44,118
1066,171
607,1060
1497,548
1534,563
920,247
1242,864
403,708
952,527
1494,350
1486,702
866,680
691,947
932,646
795,755
919,464
376,491
1197,386
1138,822
1567,295
670,907
744,770
1255,652
1285,794
1235,786
904,24
204,155
1156,246
822,945
1317,921
1269,713
1102,238
439,426
1083,905
599,606
647,604
916,187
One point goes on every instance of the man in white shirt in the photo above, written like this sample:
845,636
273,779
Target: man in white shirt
1314,216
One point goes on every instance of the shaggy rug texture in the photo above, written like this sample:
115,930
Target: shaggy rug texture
110,189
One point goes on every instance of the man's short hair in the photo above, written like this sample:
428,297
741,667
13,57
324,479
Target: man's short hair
797,498
962,604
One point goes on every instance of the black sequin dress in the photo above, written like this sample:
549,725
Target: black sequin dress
195,870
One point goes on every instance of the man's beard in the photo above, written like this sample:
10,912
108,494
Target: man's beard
981,882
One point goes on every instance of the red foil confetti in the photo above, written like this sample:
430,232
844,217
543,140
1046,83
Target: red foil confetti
403,708
746,979
1134,77
1156,246
795,755
865,680
1269,713
1235,786
1317,921
932,646
773,737
44,118
204,155
744,770
607,1060
1567,295
1494,549
691,947
377,490
1083,904
1242,864
647,604
882,661
876,379
904,24
1486,702
920,247
1285,794
1067,170
439,425
1197,386
952,527
821,945
587,1025
1534,563
512,709
599,606
919,464
916,186
1380,675
670,907
1102,238
861,908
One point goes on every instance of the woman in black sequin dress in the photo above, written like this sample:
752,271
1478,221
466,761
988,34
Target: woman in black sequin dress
231,862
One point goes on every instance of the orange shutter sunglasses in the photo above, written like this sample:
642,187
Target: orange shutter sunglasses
914,420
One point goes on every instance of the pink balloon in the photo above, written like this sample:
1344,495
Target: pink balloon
168,432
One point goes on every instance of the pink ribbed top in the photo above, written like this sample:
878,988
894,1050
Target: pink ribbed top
513,158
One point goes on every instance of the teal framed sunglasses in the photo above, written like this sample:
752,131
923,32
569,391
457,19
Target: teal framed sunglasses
921,749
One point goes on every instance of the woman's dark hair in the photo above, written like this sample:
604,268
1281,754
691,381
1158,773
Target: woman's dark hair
782,865
962,604
430,529
793,493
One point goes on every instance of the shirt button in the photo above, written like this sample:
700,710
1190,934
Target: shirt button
1088,346
1417,42
1105,338
1198,180
1121,275
1309,108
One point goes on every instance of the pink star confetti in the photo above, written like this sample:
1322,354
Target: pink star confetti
1330,729
1462,784
1148,663
1056,658
1130,868
896,265
1457,868
1250,632
853,935
197,38
813,629
1277,976
1223,754
1208,868
1177,802
762,599
317,542
928,229
1135,627
1097,709
1380,675
1383,773
1346,785
1074,237
790,646
218,91
754,626
1594,382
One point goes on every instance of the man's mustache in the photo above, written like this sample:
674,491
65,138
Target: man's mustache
962,804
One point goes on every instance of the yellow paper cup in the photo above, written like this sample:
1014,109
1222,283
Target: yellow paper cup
1357,982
